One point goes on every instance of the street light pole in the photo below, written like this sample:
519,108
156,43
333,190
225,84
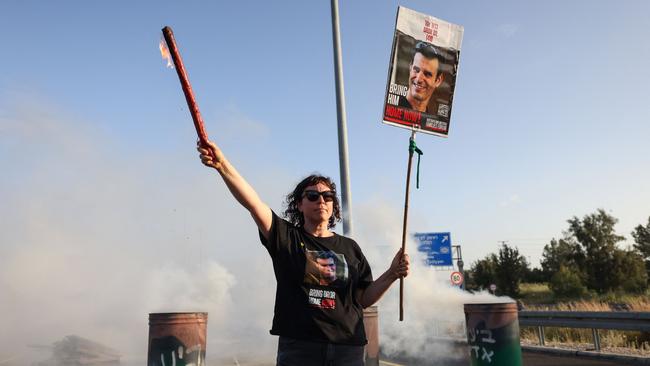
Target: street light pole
346,197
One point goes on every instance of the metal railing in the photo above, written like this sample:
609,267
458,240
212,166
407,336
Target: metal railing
594,320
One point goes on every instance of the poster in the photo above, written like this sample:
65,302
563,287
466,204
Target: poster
422,73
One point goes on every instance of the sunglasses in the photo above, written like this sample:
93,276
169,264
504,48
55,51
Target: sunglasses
312,196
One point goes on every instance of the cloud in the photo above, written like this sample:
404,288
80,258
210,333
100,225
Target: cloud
511,201
235,124
508,30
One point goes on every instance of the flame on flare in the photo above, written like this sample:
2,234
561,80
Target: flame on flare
164,51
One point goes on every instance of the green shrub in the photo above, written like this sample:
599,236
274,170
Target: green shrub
567,283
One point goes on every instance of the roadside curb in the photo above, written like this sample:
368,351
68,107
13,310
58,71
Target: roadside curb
626,359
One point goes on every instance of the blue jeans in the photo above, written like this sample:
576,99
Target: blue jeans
296,352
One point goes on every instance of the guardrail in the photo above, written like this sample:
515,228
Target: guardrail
594,320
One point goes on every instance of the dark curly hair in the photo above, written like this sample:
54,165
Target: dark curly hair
294,216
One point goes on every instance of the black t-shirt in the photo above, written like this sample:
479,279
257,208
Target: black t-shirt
316,283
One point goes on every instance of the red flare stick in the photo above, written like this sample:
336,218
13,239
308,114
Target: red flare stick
185,84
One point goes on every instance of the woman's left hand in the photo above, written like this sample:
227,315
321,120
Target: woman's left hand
399,267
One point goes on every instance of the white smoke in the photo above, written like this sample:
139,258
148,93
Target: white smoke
172,288
96,233
433,308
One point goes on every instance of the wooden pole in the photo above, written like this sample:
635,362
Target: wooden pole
404,225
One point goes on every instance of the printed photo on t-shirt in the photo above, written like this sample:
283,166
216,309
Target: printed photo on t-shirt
325,268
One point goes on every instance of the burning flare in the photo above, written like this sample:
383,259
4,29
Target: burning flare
164,51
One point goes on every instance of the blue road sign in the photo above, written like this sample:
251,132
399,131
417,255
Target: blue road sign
437,246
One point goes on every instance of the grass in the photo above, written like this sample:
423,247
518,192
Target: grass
536,296
536,293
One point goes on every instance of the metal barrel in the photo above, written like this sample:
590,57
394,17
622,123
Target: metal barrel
371,324
177,339
493,334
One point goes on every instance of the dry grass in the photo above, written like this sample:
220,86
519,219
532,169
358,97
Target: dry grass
611,340
635,303
640,303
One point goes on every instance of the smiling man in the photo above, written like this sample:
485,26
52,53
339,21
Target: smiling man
424,77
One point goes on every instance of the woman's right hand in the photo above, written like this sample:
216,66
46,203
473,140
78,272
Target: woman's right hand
211,156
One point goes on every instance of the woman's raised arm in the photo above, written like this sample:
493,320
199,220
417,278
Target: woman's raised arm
211,156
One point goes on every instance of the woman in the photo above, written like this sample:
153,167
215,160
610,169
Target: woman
323,279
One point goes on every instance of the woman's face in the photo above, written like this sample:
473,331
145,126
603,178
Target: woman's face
317,211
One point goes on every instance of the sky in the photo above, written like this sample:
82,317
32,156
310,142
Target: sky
103,194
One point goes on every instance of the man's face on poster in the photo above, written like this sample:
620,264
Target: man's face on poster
327,269
423,78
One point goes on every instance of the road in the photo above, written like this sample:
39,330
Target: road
529,359
538,359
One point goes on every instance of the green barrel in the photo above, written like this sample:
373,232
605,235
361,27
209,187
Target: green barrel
177,339
493,334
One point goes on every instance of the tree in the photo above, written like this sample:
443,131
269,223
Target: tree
595,234
483,272
534,275
630,272
563,252
588,256
641,235
510,269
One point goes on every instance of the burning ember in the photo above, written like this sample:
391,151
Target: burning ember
164,52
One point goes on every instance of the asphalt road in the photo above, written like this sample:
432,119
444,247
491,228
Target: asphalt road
538,359
529,359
